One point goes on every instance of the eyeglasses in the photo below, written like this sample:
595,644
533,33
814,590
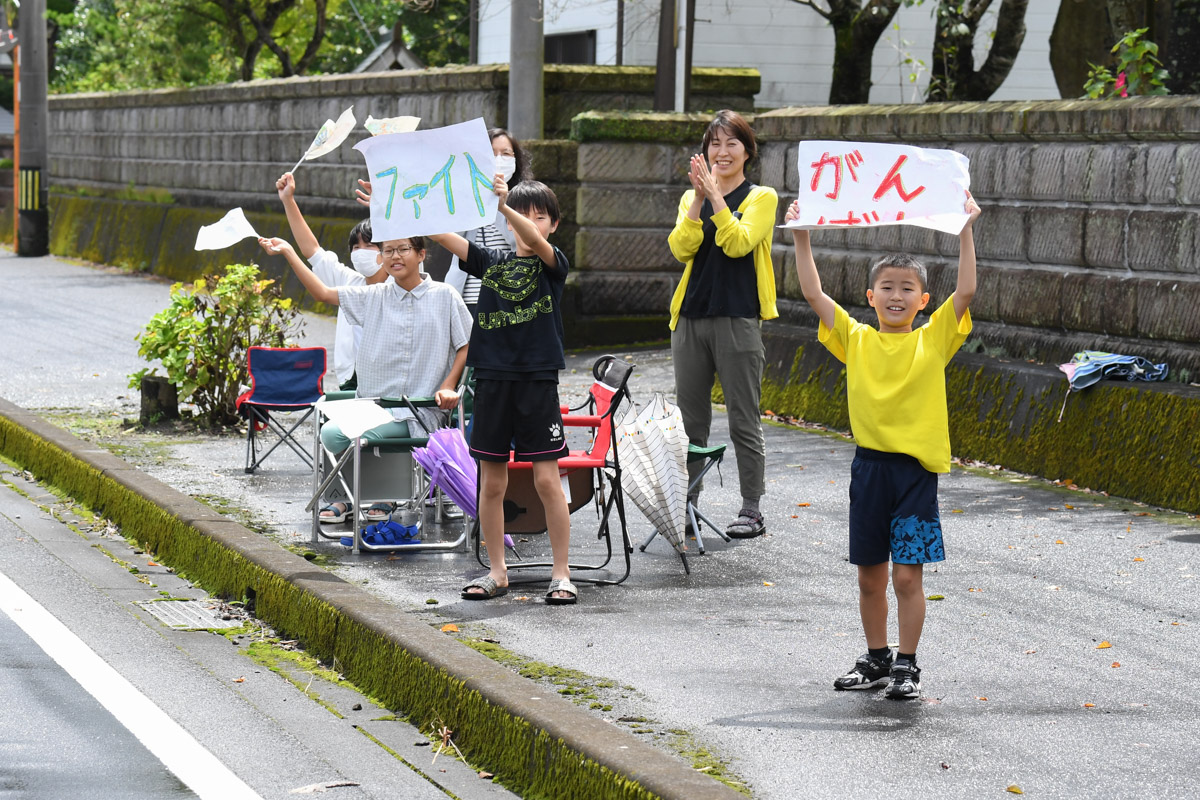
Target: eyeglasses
396,252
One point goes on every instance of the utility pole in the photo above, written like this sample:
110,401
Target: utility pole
33,219
664,74
527,55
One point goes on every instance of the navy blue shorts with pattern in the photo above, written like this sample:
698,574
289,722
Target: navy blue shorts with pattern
893,510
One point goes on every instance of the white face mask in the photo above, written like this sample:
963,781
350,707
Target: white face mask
506,166
365,262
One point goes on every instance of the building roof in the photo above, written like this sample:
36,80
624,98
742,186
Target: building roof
387,56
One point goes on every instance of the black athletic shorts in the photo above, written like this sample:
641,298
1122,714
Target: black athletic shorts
893,510
523,416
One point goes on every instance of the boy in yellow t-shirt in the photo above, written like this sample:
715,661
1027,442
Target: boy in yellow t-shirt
896,387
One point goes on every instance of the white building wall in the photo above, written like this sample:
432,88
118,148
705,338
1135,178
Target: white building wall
790,45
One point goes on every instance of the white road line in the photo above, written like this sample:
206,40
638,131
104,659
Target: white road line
162,736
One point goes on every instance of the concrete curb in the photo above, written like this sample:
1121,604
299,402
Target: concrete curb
537,743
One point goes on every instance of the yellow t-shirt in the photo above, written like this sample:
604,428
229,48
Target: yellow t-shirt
896,383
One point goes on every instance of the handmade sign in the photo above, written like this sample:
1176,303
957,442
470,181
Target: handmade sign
231,229
860,185
430,181
329,137
391,125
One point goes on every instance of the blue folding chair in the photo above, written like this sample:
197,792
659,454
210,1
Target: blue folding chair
282,379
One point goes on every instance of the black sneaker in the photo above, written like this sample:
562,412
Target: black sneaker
906,681
868,673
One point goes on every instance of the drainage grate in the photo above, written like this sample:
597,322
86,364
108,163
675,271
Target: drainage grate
187,614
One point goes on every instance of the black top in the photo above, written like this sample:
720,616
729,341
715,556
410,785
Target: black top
518,330
720,286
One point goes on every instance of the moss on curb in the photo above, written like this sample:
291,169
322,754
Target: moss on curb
361,633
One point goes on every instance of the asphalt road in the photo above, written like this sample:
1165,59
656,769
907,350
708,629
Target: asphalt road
1018,687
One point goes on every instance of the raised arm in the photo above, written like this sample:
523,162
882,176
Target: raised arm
456,244
315,286
523,227
806,271
685,238
964,290
286,186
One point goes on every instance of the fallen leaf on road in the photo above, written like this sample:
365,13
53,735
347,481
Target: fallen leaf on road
767,583
1139,559
153,564
1030,652
1068,507
936,597
1059,541
1014,789
449,627
486,775
956,511
795,516
1142,514
1089,705
240,680
945,765
981,698
803,505
1104,645
1116,664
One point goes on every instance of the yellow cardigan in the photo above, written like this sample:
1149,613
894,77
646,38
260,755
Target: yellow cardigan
737,237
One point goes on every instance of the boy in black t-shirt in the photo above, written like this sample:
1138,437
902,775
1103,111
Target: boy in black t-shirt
517,352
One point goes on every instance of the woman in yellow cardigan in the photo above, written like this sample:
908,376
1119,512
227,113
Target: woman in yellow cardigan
723,237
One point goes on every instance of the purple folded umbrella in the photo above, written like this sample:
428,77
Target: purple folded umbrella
451,468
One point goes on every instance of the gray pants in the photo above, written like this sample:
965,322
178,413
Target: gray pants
729,348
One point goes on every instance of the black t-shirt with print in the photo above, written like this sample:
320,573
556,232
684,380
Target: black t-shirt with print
518,330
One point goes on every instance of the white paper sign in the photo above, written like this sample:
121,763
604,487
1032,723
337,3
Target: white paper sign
433,181
232,228
391,125
861,185
329,137
355,417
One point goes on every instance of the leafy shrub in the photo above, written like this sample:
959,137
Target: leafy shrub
203,337
1138,70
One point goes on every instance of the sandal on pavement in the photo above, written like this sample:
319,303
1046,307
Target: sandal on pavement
338,512
748,525
489,586
378,512
562,585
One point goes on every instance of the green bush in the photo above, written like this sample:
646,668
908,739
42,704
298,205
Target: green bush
1138,70
203,337
6,163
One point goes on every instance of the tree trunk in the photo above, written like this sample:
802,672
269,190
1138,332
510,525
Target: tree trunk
953,65
856,31
1123,17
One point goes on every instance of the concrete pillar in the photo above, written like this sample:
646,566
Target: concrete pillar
33,220
526,58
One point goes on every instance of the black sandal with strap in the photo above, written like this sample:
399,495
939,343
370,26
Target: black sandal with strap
748,525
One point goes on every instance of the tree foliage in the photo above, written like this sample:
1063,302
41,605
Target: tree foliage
857,27
435,31
953,75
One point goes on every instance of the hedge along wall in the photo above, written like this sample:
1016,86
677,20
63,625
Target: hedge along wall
1090,239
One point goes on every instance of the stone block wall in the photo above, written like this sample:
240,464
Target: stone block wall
225,146
1090,237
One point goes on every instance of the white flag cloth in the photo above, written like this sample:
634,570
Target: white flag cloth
329,137
653,447
867,184
232,228
391,125
355,416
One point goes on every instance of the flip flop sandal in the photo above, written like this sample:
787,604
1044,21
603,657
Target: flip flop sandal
378,512
562,585
490,589
337,515
748,525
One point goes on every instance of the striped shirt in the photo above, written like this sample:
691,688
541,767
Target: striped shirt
489,238
409,339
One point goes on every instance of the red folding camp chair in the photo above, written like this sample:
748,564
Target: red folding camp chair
591,474
281,379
